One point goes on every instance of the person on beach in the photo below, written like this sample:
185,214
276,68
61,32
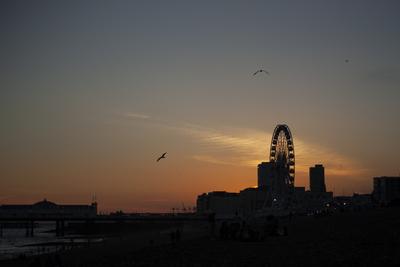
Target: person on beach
223,231
178,235
58,261
211,220
36,263
172,237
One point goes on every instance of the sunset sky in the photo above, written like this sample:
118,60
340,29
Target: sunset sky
92,92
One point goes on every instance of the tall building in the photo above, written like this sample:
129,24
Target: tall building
386,189
264,171
317,179
271,177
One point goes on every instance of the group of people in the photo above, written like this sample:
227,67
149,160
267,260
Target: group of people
50,261
244,231
175,236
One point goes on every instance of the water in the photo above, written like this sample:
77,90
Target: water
14,242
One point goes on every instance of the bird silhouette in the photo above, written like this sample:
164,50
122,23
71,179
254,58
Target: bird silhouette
347,61
259,71
162,157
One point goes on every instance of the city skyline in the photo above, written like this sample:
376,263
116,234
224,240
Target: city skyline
93,93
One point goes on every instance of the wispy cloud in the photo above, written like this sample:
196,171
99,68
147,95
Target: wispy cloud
135,116
248,147
211,159
309,154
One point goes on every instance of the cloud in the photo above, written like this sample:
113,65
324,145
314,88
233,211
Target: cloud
309,154
249,147
211,159
135,116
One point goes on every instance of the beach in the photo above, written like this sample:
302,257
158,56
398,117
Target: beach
364,238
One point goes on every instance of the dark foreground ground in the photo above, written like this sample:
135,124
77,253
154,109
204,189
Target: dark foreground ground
368,238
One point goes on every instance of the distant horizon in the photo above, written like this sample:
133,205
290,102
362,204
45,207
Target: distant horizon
177,208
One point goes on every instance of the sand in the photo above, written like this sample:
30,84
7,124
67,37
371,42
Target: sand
367,238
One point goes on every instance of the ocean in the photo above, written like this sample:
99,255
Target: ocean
14,243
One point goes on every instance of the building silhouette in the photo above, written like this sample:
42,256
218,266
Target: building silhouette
276,192
47,208
223,203
263,169
386,189
271,177
317,179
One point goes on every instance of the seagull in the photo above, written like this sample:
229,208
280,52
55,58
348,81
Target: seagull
162,157
261,70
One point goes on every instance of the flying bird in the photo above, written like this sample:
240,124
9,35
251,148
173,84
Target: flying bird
162,157
347,61
259,71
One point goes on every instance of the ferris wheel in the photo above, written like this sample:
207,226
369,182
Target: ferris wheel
282,152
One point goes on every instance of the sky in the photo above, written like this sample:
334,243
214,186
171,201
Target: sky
92,92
